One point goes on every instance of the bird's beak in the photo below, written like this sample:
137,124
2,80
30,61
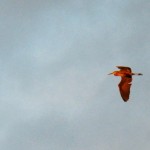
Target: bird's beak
110,73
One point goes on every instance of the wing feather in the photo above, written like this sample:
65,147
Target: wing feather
125,69
124,87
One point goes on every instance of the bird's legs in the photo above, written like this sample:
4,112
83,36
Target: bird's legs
139,74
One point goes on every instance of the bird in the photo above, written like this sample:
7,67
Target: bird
126,80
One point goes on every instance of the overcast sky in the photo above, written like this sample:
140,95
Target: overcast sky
55,93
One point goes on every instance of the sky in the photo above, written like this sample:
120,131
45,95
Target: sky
55,93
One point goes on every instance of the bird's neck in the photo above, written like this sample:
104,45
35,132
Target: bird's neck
118,73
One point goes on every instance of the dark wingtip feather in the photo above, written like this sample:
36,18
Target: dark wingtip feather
125,100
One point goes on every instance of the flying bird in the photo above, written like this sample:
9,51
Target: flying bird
126,78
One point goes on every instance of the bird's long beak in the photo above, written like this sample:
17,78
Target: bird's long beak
110,73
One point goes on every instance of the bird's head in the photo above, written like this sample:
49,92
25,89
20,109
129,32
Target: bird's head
114,73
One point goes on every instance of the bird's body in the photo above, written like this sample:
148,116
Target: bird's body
126,78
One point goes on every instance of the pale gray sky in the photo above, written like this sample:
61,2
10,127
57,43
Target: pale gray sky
54,90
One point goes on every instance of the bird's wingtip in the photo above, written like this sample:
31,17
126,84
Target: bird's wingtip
125,100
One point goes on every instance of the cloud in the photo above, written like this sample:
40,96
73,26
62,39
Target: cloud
55,92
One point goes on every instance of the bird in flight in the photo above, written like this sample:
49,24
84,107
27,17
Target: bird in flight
126,78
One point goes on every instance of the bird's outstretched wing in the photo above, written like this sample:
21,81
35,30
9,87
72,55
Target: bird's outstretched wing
124,87
125,69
